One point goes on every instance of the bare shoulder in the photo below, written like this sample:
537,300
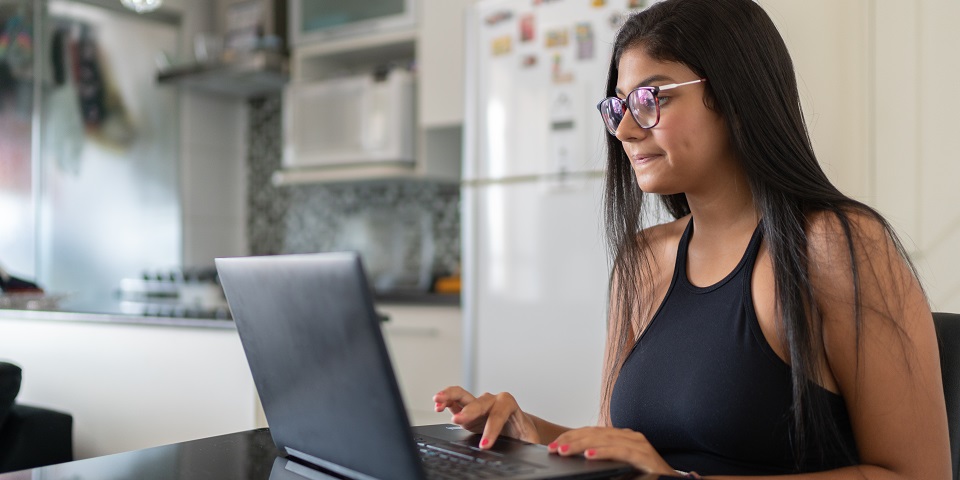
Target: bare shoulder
880,346
856,265
835,242
664,238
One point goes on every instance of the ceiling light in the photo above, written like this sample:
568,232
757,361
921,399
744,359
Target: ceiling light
142,6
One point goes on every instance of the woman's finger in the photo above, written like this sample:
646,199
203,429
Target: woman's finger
502,408
642,459
473,416
602,443
454,398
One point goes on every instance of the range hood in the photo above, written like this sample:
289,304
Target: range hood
252,75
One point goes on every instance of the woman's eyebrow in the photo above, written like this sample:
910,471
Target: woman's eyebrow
656,78
647,81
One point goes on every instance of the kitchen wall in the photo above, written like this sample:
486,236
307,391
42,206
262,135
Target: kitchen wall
212,149
878,86
408,231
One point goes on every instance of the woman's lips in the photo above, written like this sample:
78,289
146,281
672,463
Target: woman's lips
643,159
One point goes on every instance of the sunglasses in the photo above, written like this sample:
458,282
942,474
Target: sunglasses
643,103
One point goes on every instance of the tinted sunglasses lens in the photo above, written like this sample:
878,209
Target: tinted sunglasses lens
612,112
643,105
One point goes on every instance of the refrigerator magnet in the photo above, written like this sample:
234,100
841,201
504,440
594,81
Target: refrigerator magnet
584,35
527,27
634,4
558,73
557,37
498,17
529,61
598,3
502,45
617,19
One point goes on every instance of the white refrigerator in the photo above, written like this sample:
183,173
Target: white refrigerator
534,261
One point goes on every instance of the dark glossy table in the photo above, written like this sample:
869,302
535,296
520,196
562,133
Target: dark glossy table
249,455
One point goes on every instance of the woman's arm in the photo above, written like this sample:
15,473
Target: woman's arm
888,369
548,431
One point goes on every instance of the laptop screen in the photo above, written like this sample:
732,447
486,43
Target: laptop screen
319,362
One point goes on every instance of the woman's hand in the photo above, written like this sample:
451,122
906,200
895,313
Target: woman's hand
489,415
606,443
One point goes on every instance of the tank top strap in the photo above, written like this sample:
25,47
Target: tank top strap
681,263
746,262
753,249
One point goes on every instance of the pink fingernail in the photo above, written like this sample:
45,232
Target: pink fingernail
484,442
552,446
564,448
590,453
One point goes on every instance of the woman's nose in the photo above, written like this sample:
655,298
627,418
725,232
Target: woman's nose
629,129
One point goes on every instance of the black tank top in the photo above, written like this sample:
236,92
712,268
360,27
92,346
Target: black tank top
705,387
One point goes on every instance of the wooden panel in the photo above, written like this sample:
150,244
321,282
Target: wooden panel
829,43
939,142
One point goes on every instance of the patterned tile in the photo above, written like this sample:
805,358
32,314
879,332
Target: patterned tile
408,231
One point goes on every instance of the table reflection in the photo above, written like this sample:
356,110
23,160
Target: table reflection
249,455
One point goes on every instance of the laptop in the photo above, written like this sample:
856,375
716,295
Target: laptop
314,345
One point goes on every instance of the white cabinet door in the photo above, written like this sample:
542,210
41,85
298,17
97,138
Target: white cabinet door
440,54
425,348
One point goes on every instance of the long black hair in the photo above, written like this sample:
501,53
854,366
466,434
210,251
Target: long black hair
752,84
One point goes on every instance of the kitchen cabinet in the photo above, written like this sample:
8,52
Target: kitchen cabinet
425,347
131,386
434,50
440,58
314,22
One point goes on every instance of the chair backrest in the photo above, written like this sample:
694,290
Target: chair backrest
948,335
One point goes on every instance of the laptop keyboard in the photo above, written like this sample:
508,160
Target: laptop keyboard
444,460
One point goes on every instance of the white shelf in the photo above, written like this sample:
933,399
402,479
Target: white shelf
353,174
257,74
351,44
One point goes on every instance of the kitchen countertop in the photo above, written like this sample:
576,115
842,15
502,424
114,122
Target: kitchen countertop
116,311
71,315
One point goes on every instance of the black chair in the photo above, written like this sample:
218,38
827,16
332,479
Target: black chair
30,437
948,335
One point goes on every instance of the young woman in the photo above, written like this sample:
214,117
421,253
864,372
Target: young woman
776,326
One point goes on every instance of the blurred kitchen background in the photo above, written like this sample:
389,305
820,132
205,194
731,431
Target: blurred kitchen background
115,184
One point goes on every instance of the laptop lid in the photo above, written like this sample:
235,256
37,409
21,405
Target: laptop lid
313,343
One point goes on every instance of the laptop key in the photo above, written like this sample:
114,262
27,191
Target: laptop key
448,460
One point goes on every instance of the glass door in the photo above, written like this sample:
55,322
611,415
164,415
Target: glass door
17,103
313,20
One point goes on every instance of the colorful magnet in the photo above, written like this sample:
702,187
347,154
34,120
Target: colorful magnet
617,19
498,17
528,28
529,61
584,34
598,3
558,73
557,37
502,45
633,4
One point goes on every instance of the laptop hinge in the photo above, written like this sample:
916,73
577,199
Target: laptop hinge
339,469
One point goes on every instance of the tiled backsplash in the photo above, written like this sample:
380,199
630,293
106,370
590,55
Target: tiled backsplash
408,231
